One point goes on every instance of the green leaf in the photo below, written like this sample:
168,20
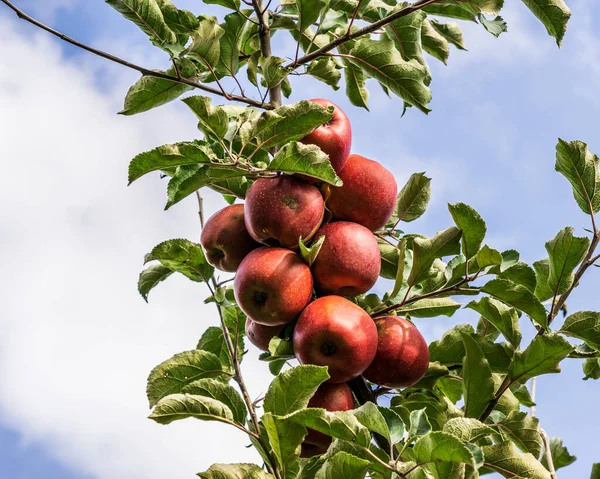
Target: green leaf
566,252
524,431
285,438
517,296
308,160
272,70
399,280
496,26
356,89
425,251
182,406
149,91
505,319
584,325
487,256
170,156
431,308
182,256
419,423
326,70
542,273
182,22
389,259
231,42
449,10
234,471
413,199
509,258
486,6
298,120
381,60
206,45
188,179
343,465
560,454
478,386
214,121
434,43
222,392
308,12
508,461
451,32
580,167
554,14
591,368
467,429
150,277
292,389
405,32
438,408
521,273
345,425
595,471
173,375
522,394
541,357
439,448
212,340
147,15
472,226
310,253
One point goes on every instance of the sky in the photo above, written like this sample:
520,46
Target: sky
77,341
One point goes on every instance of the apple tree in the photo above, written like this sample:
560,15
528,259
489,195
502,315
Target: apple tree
309,228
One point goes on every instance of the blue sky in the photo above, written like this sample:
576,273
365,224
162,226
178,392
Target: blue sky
75,339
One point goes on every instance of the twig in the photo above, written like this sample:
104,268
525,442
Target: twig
548,453
133,66
533,387
360,32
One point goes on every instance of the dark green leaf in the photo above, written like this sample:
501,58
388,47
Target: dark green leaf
441,447
566,252
206,45
272,70
419,423
230,43
343,465
580,167
214,121
554,14
591,368
326,70
541,357
147,15
150,277
222,392
405,32
285,438
560,454
434,43
173,375
521,273
472,226
399,280
425,251
308,160
467,429
478,386
431,308
308,12
182,256
149,91
542,274
487,256
213,341
292,389
505,319
451,32
449,10
413,199
182,406
508,461
584,325
519,297
524,431
381,60
522,394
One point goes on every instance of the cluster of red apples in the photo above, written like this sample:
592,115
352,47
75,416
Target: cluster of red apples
275,287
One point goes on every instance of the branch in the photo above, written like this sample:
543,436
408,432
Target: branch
548,454
359,33
264,37
133,66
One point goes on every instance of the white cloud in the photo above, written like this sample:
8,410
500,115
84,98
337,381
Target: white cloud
76,341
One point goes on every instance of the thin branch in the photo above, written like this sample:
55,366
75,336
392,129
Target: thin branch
533,388
353,17
133,66
548,453
360,32
264,36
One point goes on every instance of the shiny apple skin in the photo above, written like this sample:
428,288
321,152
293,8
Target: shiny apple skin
402,357
332,397
261,335
349,261
368,195
332,331
281,210
225,238
334,138
273,286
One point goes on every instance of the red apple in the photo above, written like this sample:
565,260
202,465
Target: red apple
261,335
335,332
334,137
402,355
349,261
225,238
280,210
368,195
332,397
273,285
